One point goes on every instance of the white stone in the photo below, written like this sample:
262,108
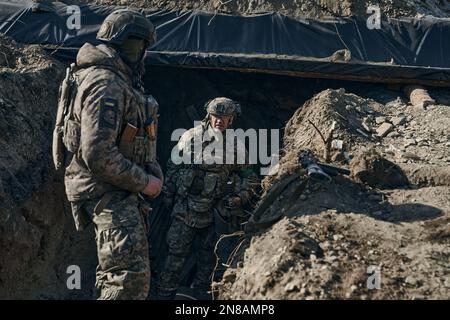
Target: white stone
384,129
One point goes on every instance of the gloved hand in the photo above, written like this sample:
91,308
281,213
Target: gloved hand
250,227
233,202
153,188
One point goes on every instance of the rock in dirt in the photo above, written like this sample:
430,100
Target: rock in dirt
384,129
398,121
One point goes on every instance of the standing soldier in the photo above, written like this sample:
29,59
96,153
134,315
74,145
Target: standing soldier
194,190
105,136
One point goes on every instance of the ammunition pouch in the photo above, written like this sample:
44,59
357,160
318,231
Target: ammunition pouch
194,212
198,187
198,183
200,204
211,182
183,182
72,135
206,192
190,181
139,149
201,183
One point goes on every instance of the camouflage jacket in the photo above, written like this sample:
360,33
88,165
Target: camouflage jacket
195,188
106,102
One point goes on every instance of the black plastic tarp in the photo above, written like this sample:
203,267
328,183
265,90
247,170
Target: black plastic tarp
403,50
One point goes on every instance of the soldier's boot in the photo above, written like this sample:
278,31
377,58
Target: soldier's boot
179,241
170,276
166,293
201,284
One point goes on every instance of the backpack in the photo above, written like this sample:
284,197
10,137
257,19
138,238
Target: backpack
67,131
67,92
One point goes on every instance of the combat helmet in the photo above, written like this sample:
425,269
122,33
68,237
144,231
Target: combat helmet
124,23
223,107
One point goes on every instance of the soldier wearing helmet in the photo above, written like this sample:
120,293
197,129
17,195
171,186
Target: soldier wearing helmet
194,189
110,137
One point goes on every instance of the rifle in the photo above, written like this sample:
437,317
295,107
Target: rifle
319,171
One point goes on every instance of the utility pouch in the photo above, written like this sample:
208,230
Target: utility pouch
150,128
210,182
139,150
150,151
72,134
184,182
126,145
198,183
200,204
151,124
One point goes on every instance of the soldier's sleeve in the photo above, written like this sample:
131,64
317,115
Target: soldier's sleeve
101,121
174,164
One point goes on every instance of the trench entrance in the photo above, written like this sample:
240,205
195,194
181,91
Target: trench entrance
268,102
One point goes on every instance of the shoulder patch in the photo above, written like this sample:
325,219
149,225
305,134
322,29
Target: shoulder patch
108,113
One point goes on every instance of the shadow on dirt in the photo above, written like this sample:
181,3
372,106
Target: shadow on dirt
341,195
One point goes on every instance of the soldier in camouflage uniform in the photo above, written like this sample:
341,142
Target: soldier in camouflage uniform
193,191
110,132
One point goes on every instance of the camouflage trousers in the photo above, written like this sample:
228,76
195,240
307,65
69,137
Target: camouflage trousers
123,270
180,238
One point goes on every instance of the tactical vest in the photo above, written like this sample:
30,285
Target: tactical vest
202,185
137,143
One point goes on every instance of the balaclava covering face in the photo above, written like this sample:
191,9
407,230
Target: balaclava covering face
132,51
